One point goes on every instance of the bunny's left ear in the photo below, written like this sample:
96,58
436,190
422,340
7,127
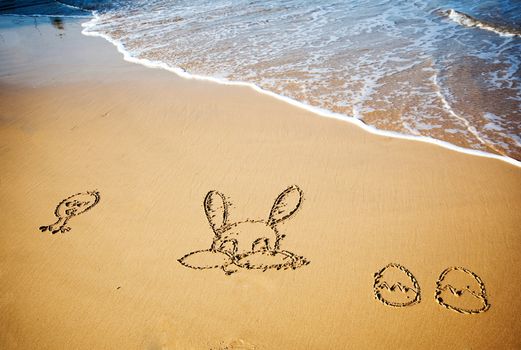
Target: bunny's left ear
285,205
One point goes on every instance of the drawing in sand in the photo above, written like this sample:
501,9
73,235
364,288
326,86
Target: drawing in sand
396,286
71,206
247,244
461,290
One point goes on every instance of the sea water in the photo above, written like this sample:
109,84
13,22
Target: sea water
448,70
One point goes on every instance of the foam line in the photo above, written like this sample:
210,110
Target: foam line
71,6
89,31
469,127
469,21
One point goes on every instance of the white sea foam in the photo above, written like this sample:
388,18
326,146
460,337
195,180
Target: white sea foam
90,29
467,124
469,21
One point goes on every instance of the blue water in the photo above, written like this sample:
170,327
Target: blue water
444,69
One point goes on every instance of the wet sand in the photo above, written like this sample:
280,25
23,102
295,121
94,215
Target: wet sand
74,117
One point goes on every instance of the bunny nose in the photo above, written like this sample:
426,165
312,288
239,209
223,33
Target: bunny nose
229,246
260,244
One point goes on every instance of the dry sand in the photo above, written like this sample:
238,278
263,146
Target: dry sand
74,117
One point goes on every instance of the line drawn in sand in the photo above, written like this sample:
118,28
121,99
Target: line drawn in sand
71,206
396,286
248,244
461,290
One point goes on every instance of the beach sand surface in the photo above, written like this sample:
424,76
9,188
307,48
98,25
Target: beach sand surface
75,117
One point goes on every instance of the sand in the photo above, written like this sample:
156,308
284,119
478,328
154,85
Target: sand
75,117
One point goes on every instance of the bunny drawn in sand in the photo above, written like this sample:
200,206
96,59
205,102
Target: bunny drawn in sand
248,244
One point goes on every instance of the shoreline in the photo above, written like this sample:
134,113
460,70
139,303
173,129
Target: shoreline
91,21
316,110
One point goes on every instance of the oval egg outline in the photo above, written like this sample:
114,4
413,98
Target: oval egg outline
483,292
379,275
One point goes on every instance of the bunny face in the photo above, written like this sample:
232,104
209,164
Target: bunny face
461,290
247,237
250,235
250,244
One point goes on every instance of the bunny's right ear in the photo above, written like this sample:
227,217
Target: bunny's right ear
216,209
286,204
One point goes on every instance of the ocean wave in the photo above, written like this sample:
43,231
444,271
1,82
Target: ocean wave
383,67
397,68
469,21
91,29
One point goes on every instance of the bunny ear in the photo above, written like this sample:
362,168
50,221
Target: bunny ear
216,209
285,205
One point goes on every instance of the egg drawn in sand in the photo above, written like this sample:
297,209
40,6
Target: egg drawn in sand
461,290
396,286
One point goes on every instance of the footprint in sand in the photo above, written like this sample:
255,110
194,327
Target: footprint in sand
248,244
461,290
396,286
72,206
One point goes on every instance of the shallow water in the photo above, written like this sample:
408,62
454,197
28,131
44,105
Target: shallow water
444,69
